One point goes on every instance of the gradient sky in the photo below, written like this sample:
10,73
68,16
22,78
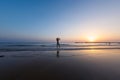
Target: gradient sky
71,20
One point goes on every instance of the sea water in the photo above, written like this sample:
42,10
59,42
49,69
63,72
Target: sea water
50,46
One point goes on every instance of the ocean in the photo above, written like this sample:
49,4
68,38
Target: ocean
51,46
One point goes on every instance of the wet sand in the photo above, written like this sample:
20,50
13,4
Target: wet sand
60,65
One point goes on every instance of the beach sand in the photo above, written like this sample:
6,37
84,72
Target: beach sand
60,65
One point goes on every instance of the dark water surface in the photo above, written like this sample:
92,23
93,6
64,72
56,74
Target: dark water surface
49,46
60,65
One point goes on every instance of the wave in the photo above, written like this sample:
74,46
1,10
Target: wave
51,49
5,47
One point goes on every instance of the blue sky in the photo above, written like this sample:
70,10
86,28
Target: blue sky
72,20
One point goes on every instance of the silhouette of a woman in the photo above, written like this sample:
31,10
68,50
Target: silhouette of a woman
58,43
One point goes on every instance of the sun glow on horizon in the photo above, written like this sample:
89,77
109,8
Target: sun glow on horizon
91,38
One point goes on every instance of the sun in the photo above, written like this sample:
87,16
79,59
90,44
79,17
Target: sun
91,38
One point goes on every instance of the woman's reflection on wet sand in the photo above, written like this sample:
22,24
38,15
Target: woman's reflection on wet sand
57,54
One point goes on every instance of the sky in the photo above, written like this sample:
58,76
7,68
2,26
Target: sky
71,20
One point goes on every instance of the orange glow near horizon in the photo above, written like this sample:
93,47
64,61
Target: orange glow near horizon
91,38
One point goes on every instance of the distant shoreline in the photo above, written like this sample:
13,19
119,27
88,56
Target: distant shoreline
97,42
